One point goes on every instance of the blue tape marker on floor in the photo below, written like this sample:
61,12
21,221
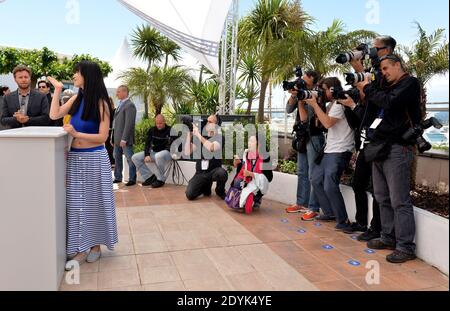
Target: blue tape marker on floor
302,231
354,263
354,237
318,224
370,251
285,221
327,247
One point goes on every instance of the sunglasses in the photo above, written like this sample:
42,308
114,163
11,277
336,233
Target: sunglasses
382,48
42,87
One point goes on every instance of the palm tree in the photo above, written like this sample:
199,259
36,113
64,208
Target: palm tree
316,50
159,86
146,43
146,46
250,69
426,58
205,96
269,22
169,49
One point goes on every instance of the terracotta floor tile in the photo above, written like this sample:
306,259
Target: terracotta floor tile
337,285
87,282
154,260
109,264
159,274
212,284
252,281
167,286
420,279
120,278
319,273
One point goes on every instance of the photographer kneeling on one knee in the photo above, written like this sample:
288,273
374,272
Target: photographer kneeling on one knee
398,100
337,153
209,164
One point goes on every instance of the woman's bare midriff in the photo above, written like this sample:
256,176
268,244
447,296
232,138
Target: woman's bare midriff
83,144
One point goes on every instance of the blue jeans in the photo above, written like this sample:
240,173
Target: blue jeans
305,164
160,161
326,180
118,153
391,185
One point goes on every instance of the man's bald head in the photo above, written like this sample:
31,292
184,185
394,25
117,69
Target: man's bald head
160,122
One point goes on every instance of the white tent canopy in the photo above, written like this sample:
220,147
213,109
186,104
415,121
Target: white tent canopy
196,26
122,61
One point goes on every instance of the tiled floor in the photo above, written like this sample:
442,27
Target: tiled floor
169,243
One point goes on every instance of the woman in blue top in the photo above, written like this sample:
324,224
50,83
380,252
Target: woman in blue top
91,219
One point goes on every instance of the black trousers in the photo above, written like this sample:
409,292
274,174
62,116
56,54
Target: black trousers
201,183
361,181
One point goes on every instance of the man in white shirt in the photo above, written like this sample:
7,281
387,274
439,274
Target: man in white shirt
338,152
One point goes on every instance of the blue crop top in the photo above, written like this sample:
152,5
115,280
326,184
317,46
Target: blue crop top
87,127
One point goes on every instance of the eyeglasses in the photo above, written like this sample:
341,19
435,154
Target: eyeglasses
42,87
381,48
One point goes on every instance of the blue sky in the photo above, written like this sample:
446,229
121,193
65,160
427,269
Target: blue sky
104,23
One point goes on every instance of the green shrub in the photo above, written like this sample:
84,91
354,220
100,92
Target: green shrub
288,167
141,132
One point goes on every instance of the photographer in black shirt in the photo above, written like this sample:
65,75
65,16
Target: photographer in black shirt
398,101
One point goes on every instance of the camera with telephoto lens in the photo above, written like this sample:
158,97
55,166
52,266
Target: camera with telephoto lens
415,134
353,78
363,51
340,93
298,84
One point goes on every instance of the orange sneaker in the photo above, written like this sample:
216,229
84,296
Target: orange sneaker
296,209
310,216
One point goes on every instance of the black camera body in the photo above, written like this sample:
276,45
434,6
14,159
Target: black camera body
298,84
189,122
300,137
340,93
415,134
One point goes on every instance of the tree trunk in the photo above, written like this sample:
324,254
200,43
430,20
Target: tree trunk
270,101
262,98
146,101
167,61
249,107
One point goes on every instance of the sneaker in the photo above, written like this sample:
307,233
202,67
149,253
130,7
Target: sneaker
310,216
158,184
344,226
355,227
378,244
326,218
370,234
117,181
400,257
296,209
149,181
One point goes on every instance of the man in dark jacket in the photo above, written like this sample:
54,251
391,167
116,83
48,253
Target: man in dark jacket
153,161
24,107
398,101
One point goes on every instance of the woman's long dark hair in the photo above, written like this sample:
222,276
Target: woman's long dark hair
93,92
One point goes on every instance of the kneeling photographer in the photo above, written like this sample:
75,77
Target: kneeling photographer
335,157
207,152
398,101
308,141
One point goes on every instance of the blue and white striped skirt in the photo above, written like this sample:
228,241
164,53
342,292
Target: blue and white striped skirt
91,212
